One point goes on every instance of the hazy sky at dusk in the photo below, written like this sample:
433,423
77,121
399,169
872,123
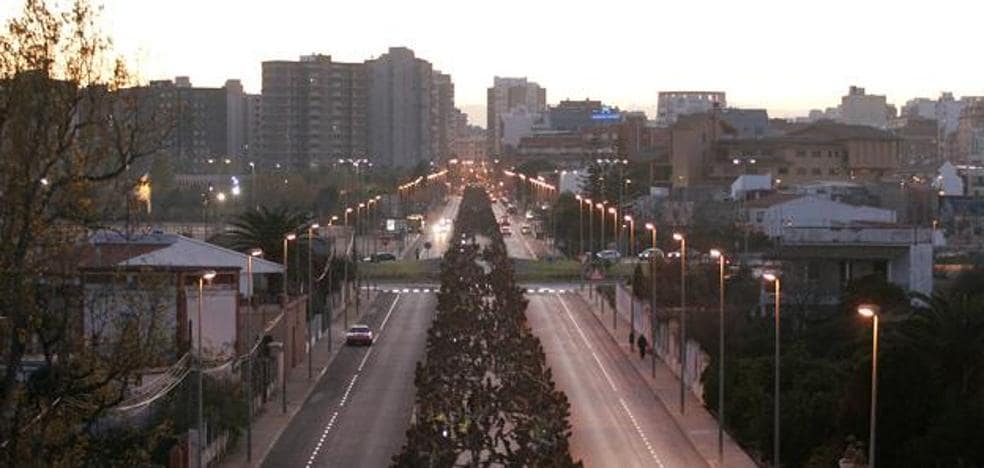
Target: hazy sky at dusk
785,55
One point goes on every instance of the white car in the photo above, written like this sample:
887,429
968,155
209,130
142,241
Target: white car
609,255
359,335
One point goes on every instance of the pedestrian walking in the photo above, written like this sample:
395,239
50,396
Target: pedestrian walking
642,346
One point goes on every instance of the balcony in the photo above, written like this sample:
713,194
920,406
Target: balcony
857,235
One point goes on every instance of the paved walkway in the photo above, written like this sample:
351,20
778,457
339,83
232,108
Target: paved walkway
697,423
270,421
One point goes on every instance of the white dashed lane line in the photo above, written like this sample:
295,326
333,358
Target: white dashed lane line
348,390
611,383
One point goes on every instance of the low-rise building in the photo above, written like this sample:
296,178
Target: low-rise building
817,262
774,214
152,281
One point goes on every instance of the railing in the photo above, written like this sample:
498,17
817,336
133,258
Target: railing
857,235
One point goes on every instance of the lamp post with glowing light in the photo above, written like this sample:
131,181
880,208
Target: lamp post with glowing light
580,224
652,297
872,311
310,303
287,238
205,276
614,212
283,400
601,232
683,318
774,278
718,254
590,224
631,221
249,353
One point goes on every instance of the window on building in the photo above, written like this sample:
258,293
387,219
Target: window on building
801,171
816,171
784,170
834,172
815,154
801,153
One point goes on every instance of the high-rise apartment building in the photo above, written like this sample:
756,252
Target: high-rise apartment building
410,110
313,111
507,95
204,123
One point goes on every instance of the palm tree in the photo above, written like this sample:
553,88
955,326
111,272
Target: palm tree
265,228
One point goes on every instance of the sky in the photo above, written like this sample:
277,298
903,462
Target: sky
784,55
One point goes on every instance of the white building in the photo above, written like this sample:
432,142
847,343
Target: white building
153,279
748,183
773,214
673,104
858,108
516,124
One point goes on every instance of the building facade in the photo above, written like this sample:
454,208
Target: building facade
673,104
312,111
505,96
859,108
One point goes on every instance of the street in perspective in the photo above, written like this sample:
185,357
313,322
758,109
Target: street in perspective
365,235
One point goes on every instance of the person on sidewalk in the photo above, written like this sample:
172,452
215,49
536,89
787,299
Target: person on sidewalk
632,339
642,346
417,253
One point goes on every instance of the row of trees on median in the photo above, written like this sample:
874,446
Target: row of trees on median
485,395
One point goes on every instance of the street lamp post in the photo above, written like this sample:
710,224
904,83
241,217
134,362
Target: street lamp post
283,393
580,225
205,276
652,298
310,309
683,319
601,232
249,353
872,311
774,277
590,225
718,254
631,221
614,212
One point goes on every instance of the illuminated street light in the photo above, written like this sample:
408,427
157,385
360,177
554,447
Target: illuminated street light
683,319
872,311
774,278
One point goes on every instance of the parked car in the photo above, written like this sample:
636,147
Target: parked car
383,257
506,230
358,335
651,253
511,209
525,230
609,255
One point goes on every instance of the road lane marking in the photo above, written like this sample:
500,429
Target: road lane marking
611,383
386,319
348,390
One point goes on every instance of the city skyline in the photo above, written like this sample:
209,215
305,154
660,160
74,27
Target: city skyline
776,62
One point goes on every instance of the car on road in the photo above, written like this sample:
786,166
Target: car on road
511,209
359,334
651,253
609,255
525,230
380,257
506,230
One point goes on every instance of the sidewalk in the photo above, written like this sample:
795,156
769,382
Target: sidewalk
270,422
697,424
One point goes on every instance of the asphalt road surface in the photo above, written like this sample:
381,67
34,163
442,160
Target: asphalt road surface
358,414
616,419
439,239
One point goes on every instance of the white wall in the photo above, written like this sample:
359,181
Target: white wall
218,320
811,211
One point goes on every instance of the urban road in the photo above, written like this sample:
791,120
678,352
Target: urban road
359,412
